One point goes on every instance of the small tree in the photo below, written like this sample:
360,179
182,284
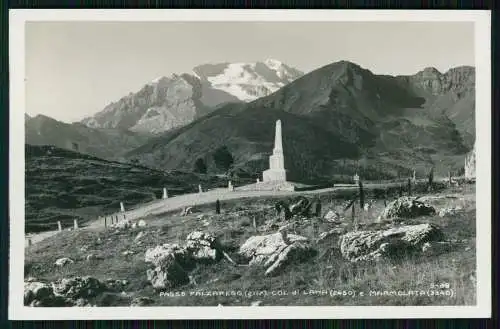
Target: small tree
223,159
200,166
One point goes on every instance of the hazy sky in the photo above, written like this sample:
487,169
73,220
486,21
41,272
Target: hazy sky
74,69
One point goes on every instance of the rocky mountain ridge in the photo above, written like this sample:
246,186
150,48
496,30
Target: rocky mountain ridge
170,102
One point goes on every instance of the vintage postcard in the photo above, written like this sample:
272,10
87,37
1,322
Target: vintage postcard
194,164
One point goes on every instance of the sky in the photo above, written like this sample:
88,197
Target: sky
75,69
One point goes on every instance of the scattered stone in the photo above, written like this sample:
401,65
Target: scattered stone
301,206
63,261
406,207
187,211
426,247
127,253
333,232
124,224
78,287
273,252
206,223
452,211
81,302
141,223
192,280
139,236
114,284
332,216
256,303
90,257
30,279
369,205
373,245
134,225
141,301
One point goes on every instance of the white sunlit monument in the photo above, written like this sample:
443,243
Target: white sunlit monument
276,171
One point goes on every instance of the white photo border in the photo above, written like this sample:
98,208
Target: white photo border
17,20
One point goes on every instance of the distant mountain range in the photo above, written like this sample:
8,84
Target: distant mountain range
104,143
337,120
170,102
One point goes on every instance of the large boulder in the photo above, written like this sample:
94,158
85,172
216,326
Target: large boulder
395,242
203,246
275,251
406,207
168,261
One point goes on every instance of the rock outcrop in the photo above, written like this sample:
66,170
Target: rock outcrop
274,252
203,246
392,243
168,261
79,287
172,262
65,292
407,207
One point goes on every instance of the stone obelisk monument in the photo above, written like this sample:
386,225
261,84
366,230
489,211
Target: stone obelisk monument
276,171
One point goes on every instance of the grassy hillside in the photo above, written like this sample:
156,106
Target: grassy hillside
324,271
62,185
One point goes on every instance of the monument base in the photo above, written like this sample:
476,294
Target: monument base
268,186
274,175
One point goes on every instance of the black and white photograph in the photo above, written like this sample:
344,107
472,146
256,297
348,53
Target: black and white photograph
250,164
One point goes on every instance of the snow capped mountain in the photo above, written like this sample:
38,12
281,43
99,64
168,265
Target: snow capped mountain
248,81
169,102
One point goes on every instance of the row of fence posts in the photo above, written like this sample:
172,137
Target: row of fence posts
112,219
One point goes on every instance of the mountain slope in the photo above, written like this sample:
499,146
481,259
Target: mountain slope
337,120
170,102
105,143
62,185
